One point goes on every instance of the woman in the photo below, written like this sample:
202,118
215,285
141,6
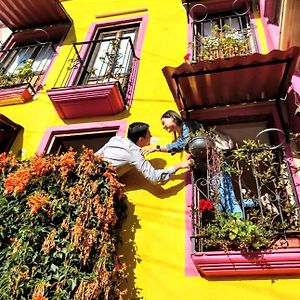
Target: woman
172,122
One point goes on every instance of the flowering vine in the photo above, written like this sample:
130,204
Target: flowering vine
60,217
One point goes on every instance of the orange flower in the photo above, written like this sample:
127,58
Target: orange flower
66,162
37,201
49,242
17,182
40,166
39,290
6,160
77,233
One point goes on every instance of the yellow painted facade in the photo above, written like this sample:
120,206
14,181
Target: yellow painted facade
154,232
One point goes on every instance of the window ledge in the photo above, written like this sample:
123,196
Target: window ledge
237,263
87,101
15,95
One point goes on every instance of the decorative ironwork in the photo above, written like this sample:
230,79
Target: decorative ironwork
250,187
223,37
100,61
25,65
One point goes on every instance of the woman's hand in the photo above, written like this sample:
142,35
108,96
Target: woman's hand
148,150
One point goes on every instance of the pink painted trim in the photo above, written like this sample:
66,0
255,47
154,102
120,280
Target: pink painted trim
256,35
120,127
237,263
190,268
142,19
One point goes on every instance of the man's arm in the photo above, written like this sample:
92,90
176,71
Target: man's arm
157,175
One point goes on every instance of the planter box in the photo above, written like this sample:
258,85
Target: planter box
87,101
15,95
237,263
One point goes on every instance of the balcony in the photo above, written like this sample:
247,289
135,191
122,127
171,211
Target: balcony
21,72
96,79
244,211
223,37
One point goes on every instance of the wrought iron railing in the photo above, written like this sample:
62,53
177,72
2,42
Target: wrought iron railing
223,37
99,62
25,65
249,193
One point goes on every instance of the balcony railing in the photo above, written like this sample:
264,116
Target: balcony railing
243,199
24,66
223,37
109,60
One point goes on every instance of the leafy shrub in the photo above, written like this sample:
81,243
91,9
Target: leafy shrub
60,217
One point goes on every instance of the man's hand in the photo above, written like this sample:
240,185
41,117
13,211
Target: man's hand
148,150
187,164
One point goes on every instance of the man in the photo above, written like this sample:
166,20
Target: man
124,153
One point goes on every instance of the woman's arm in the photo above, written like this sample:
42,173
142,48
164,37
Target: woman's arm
177,146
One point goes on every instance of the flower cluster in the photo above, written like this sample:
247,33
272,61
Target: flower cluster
17,182
187,58
205,205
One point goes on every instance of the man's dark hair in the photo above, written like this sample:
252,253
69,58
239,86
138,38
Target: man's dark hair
137,130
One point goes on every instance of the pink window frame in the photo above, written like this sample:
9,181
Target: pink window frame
51,132
142,20
33,34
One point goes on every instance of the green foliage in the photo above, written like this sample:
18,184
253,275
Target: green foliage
224,42
229,232
23,73
59,228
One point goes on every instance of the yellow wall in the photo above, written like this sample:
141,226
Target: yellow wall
154,232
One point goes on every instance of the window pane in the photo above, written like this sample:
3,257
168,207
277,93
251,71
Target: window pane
112,55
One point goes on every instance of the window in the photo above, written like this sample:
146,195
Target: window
28,51
99,75
244,203
92,140
25,63
92,135
110,55
8,132
215,32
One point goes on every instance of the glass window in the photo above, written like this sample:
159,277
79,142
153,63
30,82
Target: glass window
110,55
229,30
8,132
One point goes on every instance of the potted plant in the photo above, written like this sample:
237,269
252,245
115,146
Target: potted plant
225,42
252,219
16,87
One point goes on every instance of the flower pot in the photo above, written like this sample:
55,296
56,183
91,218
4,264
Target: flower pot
198,147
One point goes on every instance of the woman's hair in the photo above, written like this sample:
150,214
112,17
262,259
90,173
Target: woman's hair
137,130
174,115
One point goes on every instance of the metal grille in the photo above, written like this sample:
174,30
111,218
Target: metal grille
100,61
208,44
253,181
25,65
